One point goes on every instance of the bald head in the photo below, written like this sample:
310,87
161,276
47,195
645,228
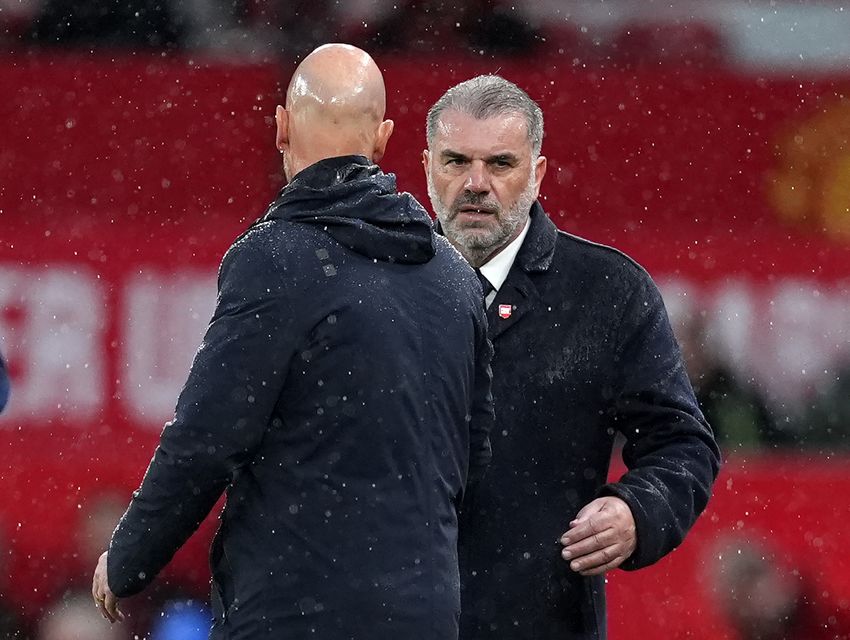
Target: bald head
338,83
335,106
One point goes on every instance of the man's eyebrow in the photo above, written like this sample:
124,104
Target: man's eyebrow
503,157
448,154
507,156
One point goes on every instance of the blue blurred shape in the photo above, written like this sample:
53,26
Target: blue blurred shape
4,384
182,620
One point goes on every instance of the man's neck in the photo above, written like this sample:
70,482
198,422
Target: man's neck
480,258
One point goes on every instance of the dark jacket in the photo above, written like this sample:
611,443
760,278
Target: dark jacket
341,395
586,351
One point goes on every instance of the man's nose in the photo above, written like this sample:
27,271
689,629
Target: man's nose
477,180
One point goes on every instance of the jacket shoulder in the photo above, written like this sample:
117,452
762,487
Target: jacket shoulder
447,252
257,249
585,256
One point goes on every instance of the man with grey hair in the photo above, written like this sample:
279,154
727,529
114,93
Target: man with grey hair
583,349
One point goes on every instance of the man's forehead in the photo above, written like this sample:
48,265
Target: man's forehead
454,127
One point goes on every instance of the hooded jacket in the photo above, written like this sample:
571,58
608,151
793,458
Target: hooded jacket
341,396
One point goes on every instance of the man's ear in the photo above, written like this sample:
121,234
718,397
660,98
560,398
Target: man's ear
540,171
426,161
385,130
281,118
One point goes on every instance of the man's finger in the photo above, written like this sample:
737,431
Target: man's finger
598,561
583,546
101,606
596,571
586,528
98,595
104,599
599,514
110,608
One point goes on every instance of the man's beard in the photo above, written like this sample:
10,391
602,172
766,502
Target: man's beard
478,243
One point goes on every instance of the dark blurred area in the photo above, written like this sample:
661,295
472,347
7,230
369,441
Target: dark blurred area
263,28
622,33
107,24
766,594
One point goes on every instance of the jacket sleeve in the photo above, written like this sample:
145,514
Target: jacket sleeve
482,414
670,451
221,417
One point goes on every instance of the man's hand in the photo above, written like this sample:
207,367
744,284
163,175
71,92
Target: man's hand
601,537
104,599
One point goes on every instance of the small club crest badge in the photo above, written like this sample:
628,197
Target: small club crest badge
505,311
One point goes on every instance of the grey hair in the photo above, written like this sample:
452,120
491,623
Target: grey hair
486,96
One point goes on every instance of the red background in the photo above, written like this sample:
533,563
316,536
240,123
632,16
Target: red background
121,163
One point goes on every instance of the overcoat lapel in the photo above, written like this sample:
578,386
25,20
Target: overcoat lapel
518,294
516,297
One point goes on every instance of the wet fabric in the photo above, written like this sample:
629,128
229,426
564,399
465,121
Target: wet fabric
341,397
357,204
583,350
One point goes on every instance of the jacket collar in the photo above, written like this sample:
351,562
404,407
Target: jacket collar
536,252
332,171
518,294
357,204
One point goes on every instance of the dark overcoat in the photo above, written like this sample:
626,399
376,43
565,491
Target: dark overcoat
341,396
583,350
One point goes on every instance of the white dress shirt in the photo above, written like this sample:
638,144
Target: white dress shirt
496,269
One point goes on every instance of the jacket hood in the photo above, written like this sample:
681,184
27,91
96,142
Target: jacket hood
358,205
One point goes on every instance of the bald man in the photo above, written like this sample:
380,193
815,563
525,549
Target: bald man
341,397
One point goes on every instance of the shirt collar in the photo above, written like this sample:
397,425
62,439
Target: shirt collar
496,269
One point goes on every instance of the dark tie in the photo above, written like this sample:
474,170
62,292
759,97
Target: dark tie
485,283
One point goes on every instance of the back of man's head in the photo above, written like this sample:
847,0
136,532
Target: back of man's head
335,106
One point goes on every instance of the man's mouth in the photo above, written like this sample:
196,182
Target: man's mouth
476,210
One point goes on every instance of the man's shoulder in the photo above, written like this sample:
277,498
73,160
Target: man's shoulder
447,252
253,243
266,237
580,255
264,247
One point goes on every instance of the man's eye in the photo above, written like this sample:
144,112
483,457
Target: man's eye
455,161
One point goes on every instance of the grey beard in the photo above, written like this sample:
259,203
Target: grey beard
475,246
